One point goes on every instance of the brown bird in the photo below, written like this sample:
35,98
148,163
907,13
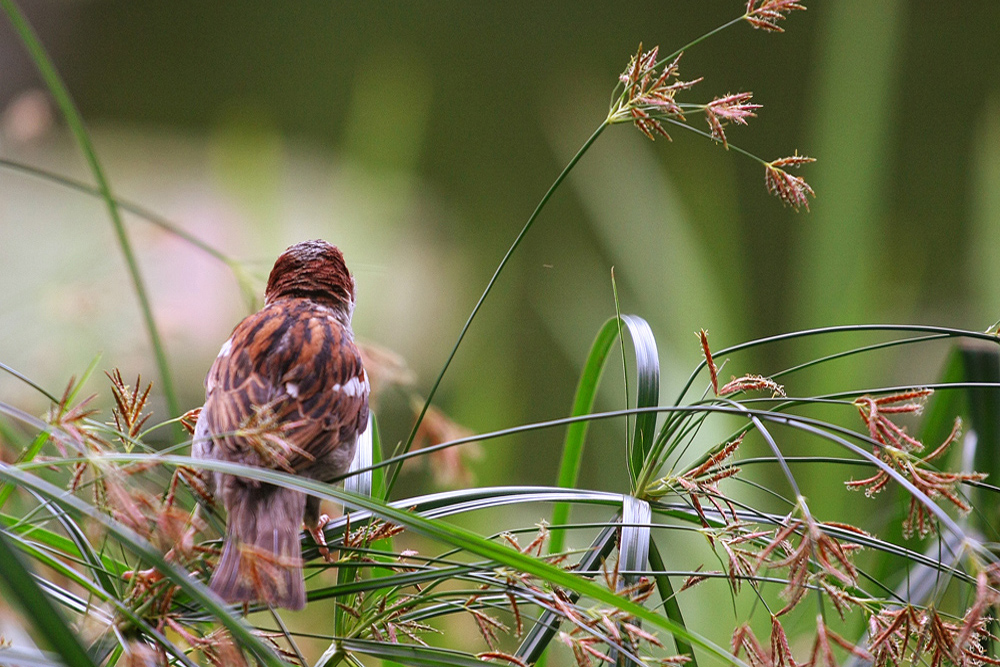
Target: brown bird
287,392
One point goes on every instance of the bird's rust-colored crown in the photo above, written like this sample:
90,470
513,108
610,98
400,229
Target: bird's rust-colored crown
313,270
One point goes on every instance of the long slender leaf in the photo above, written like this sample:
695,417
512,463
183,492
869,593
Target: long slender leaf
647,371
56,542
576,433
407,654
437,530
671,606
982,364
37,607
137,544
633,547
545,628
648,380
73,118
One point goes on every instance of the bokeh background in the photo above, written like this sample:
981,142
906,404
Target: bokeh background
420,136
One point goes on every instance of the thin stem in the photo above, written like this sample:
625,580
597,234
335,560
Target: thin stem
846,328
75,121
489,287
122,204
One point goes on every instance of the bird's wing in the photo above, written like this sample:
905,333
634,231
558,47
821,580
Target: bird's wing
287,388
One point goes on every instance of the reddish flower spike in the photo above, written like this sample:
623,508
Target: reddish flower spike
766,15
713,372
730,108
793,190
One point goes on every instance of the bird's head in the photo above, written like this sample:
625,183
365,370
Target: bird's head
313,270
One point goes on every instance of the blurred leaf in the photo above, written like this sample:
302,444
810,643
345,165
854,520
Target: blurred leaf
981,363
18,658
648,376
37,607
198,592
73,118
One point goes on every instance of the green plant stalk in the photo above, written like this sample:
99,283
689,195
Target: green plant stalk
243,279
73,118
489,287
576,433
435,529
45,618
670,605
946,332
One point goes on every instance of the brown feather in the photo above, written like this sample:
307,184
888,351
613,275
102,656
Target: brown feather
288,392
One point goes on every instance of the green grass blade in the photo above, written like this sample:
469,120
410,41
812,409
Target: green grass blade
198,592
647,371
633,549
73,118
648,379
982,364
576,433
359,478
439,531
37,607
28,381
123,204
671,607
56,542
545,628
406,654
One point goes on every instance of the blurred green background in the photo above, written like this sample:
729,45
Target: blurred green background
420,136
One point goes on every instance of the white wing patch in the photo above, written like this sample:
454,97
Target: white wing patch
292,389
226,348
356,386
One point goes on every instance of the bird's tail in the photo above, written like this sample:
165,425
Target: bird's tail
261,558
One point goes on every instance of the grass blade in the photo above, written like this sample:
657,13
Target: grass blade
647,371
198,592
671,607
434,529
37,607
406,654
545,628
982,364
576,433
648,379
73,118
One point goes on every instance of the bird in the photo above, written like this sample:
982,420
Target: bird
288,391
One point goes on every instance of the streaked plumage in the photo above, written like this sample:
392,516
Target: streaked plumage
294,363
